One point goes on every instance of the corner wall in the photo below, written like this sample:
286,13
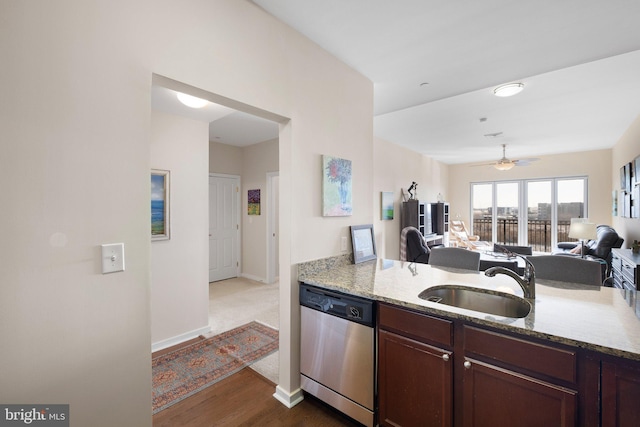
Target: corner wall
77,152
626,149
180,265
258,159
395,168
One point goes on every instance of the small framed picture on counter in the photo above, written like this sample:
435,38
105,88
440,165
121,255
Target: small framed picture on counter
364,243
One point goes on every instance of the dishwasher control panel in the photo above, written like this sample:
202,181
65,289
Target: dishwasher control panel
338,304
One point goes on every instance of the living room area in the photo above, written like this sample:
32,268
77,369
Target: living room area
550,207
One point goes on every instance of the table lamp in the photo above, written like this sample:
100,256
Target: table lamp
582,230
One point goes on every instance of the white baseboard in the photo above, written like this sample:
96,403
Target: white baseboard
288,399
254,278
179,338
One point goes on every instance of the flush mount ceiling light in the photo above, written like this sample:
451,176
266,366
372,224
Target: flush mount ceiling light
192,101
509,89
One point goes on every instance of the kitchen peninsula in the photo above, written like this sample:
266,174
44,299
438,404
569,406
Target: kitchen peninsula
573,360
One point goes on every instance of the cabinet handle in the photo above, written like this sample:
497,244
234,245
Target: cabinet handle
445,357
467,364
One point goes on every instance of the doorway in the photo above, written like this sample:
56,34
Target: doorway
273,232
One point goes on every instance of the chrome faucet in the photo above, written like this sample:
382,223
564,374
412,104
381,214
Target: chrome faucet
528,280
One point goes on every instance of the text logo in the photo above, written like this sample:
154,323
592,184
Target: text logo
34,415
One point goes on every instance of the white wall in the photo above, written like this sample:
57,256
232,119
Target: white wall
225,159
179,266
75,125
395,169
258,159
596,165
625,150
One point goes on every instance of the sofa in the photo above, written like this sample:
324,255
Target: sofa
606,239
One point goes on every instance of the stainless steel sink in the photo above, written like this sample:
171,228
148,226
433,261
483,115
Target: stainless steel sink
485,301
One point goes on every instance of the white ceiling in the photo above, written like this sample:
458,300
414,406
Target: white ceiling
226,125
579,61
434,65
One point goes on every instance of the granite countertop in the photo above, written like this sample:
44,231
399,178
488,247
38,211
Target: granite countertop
597,318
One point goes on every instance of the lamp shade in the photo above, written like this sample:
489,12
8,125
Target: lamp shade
582,230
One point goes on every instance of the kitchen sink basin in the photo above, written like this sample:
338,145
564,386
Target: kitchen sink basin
483,300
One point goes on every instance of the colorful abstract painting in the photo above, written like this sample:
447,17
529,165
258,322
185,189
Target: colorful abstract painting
253,202
336,186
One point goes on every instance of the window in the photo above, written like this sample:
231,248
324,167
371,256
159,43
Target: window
528,212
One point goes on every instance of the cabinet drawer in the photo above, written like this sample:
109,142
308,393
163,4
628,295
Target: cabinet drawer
546,360
629,273
415,325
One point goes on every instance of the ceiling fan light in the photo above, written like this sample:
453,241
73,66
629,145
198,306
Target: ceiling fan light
504,166
191,101
509,89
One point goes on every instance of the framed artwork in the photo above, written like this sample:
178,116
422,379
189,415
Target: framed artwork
386,203
364,243
160,204
253,202
636,171
625,177
336,186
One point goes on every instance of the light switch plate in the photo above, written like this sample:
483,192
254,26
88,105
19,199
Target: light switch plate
112,258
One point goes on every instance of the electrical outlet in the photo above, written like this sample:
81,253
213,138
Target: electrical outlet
112,258
343,243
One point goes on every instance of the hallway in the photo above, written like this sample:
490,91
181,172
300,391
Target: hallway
235,302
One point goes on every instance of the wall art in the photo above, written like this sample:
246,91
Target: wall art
336,186
253,202
160,206
386,204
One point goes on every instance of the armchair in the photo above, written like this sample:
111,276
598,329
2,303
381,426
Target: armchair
459,235
606,239
413,247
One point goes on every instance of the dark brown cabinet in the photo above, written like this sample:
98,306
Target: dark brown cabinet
414,383
440,372
510,381
414,369
620,391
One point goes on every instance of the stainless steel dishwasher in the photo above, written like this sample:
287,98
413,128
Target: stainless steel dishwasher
337,355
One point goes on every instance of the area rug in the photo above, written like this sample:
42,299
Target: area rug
186,371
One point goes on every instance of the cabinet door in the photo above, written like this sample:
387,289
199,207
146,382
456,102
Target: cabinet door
494,396
620,391
414,383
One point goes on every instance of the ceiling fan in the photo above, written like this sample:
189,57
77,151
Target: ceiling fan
505,164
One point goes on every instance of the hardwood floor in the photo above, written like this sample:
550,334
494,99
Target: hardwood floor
246,399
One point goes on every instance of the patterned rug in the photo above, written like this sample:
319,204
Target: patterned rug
184,372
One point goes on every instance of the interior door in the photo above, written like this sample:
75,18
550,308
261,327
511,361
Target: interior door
223,227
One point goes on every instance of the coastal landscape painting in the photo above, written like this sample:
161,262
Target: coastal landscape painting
159,204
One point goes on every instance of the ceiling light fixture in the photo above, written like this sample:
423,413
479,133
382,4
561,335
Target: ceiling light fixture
504,166
192,101
509,89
